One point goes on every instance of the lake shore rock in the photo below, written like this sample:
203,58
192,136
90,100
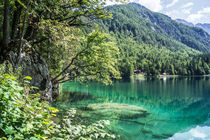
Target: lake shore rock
34,65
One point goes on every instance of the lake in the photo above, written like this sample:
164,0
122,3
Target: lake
173,108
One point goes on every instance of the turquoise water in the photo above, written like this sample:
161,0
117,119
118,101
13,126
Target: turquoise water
177,108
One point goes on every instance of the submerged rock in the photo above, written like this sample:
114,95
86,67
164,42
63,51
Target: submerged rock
117,111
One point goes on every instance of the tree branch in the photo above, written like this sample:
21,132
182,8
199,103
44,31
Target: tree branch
77,76
39,41
72,61
74,69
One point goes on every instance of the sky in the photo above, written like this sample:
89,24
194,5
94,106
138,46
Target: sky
195,11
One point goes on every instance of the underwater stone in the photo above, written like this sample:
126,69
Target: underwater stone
117,110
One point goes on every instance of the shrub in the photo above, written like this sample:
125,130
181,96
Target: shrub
24,116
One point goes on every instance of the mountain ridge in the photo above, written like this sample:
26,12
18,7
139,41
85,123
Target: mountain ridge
185,22
204,26
193,37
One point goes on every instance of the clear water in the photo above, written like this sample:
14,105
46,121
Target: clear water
178,108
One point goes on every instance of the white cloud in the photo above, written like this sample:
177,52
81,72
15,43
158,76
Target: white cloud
189,4
199,132
195,133
204,11
173,13
194,17
197,16
172,3
187,11
186,8
178,14
108,2
154,5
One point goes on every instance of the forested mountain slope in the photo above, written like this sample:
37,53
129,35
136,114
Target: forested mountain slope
145,24
153,42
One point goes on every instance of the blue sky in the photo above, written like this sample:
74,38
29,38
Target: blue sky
195,11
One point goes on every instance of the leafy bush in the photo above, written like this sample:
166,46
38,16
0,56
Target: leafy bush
24,116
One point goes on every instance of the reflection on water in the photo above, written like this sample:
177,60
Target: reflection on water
198,133
174,105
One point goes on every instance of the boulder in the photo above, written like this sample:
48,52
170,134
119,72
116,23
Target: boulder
35,66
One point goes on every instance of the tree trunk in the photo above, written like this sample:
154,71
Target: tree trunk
6,32
6,35
16,20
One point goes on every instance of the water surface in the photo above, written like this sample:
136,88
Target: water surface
178,108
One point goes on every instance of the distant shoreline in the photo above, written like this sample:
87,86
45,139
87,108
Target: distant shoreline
142,76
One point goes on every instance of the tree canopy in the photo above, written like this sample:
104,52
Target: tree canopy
52,28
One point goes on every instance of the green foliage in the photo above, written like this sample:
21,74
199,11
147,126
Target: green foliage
22,116
97,59
87,57
25,116
200,65
69,52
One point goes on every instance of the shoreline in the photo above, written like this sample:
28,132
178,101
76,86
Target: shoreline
142,76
